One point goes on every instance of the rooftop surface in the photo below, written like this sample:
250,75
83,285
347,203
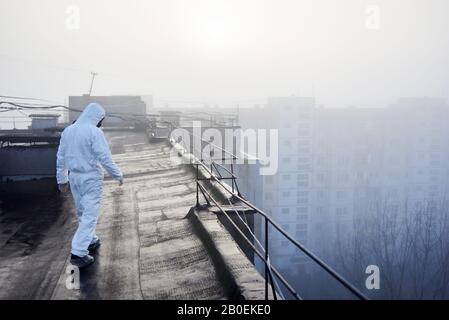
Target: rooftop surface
153,245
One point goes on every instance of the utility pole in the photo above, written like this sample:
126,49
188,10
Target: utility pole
94,74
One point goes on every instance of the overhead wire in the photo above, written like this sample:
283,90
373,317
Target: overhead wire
124,116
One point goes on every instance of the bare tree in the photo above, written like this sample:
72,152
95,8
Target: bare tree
410,246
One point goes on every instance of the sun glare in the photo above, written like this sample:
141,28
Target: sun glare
215,35
215,30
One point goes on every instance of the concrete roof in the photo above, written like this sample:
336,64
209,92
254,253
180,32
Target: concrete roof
151,248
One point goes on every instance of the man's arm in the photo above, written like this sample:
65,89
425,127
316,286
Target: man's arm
62,176
102,153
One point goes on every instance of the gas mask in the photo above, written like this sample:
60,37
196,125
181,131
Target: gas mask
100,123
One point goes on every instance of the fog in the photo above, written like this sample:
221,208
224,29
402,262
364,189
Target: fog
363,188
364,53
356,91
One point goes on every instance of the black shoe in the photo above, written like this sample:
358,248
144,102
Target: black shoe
81,262
94,245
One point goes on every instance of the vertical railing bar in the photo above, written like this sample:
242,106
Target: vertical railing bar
272,285
266,259
233,178
205,197
197,187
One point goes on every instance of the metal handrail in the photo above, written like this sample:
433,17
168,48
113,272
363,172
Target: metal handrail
306,251
245,224
264,258
268,220
234,157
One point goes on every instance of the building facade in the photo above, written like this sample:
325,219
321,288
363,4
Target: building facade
336,164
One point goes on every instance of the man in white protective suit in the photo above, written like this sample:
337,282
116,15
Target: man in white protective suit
83,151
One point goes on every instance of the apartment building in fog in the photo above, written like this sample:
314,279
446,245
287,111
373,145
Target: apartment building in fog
337,163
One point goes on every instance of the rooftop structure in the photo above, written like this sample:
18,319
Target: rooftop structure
121,110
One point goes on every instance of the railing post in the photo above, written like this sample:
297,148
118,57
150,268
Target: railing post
197,188
233,181
266,258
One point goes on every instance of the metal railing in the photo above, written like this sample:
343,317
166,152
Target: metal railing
214,175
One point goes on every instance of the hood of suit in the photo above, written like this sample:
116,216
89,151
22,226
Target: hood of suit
92,114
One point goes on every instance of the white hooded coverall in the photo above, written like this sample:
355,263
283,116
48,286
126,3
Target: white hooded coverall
82,151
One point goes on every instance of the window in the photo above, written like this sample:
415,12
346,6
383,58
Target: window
342,228
394,208
268,196
433,194
285,210
320,161
341,161
393,192
341,211
304,114
342,177
286,177
320,177
286,194
435,163
303,184
301,234
303,133
341,194
302,209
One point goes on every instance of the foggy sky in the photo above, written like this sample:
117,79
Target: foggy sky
227,51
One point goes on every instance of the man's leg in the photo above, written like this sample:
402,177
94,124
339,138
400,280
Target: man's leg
74,188
76,193
90,201
79,213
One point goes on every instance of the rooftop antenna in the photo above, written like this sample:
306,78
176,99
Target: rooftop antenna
94,74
